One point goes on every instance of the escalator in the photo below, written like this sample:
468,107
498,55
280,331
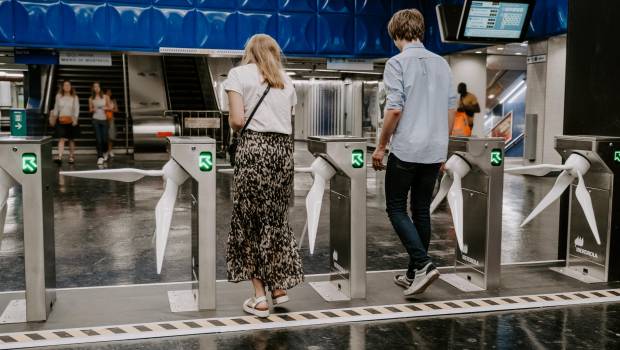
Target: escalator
82,78
186,84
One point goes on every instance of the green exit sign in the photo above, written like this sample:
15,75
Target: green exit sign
357,158
497,157
617,156
29,163
205,161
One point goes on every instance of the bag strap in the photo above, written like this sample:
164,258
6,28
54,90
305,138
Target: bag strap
254,110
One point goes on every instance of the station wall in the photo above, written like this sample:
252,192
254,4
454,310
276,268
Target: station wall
345,28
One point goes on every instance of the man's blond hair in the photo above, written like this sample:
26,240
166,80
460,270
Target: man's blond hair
407,25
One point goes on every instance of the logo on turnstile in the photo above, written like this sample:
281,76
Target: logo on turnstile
205,161
617,156
578,248
357,158
29,163
497,157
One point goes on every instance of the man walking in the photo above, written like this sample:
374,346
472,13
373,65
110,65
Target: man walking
418,116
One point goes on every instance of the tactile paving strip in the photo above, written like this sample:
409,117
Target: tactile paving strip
304,318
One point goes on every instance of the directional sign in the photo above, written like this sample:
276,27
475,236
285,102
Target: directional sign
205,161
357,158
617,156
29,163
497,157
18,122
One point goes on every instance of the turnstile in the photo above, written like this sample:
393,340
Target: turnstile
27,161
344,158
190,158
473,183
591,170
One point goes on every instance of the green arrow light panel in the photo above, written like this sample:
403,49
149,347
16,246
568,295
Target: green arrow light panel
357,158
205,161
497,157
29,163
617,156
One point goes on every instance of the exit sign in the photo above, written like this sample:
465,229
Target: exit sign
357,158
497,157
205,161
617,156
29,163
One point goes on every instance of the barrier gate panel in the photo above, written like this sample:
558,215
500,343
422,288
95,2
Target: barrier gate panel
28,160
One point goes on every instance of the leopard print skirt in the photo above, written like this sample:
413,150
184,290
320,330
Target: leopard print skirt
261,243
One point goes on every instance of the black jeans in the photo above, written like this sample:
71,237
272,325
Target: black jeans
101,135
414,232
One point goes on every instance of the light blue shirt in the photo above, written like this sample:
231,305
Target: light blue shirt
419,83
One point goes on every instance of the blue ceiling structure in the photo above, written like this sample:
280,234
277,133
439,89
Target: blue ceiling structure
333,28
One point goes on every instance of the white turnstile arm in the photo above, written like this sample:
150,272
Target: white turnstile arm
455,170
322,172
6,182
575,167
173,175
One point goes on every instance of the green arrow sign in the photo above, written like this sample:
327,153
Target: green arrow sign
497,157
357,158
617,156
205,161
18,122
29,163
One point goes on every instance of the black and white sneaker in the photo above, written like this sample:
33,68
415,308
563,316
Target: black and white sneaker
403,281
423,278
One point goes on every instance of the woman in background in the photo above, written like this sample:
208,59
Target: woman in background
111,126
64,117
98,104
261,244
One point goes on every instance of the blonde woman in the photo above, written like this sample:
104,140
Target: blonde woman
261,245
65,120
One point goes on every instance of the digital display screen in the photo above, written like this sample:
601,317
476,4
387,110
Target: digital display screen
495,19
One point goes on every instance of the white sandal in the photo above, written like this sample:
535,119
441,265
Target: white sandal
279,300
250,304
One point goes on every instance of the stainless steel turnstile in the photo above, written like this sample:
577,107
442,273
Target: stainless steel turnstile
347,227
586,259
478,164
196,155
28,162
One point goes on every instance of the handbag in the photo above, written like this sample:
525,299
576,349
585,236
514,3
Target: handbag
65,120
461,125
232,148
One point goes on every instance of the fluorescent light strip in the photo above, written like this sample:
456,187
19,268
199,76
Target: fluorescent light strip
519,93
508,95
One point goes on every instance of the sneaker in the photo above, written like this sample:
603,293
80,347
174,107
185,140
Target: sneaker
423,278
100,161
111,154
105,157
403,281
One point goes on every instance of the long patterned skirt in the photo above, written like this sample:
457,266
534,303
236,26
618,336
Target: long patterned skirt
261,243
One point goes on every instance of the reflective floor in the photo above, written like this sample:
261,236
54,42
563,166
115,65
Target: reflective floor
104,228
587,327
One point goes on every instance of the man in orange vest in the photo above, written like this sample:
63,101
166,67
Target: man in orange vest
464,118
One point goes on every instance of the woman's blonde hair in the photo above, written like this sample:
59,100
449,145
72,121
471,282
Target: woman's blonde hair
264,51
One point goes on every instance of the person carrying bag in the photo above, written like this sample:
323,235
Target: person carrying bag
232,149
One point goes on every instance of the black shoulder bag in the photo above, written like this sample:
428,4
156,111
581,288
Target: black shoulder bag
232,148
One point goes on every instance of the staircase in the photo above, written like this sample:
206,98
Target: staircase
82,78
183,84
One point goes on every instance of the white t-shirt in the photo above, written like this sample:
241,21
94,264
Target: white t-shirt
274,113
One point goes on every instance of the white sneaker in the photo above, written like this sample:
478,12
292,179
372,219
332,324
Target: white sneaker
423,278
105,157
111,154
100,161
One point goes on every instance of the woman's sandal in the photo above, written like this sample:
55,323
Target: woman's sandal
279,299
250,306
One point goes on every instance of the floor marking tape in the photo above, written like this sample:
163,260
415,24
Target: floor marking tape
295,319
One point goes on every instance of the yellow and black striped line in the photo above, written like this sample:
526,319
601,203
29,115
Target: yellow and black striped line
304,318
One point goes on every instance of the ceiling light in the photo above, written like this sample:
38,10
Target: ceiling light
524,44
519,93
478,52
509,95
491,96
518,53
500,49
